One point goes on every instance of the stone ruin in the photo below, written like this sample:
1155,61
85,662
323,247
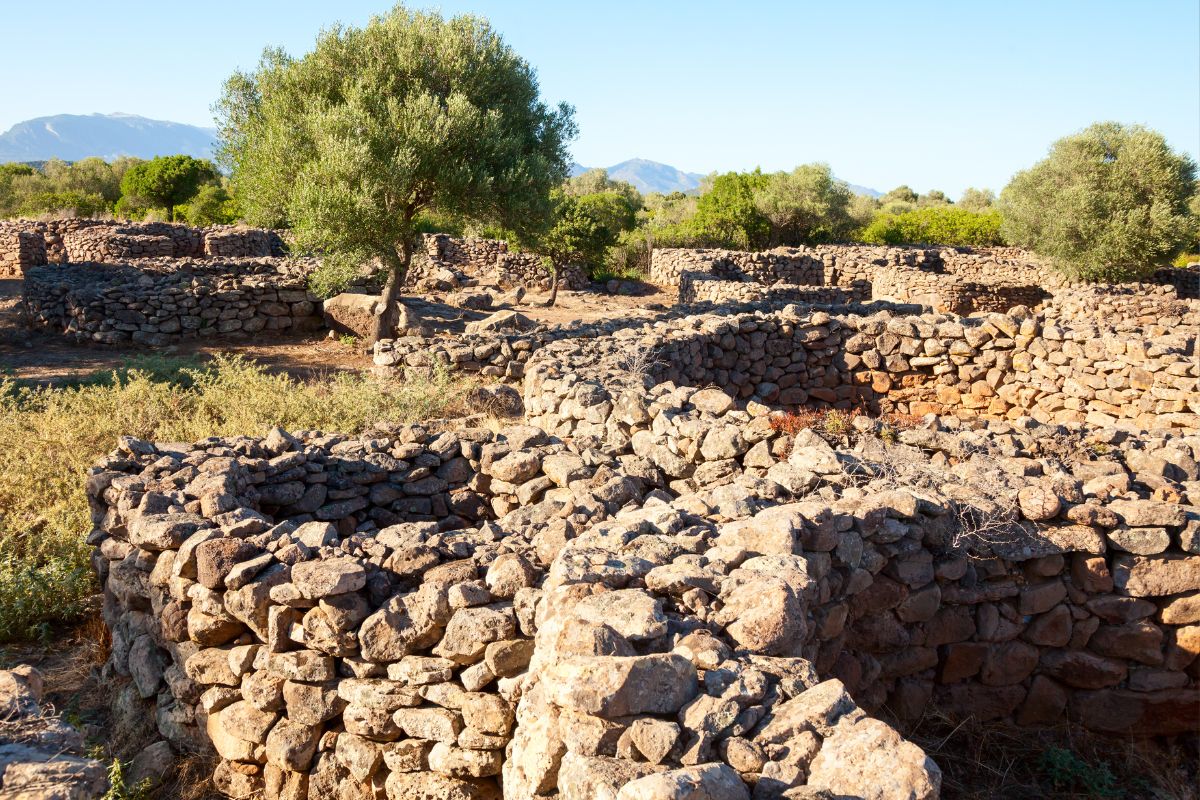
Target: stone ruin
156,283
79,240
154,302
661,585
442,262
960,281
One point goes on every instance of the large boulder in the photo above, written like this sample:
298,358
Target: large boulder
866,758
351,314
502,321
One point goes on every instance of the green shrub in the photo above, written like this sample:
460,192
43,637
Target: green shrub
211,205
119,789
49,438
1107,204
945,225
78,203
1186,258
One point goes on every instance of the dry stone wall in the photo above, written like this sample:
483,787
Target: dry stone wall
1003,365
229,241
1025,627
1156,308
697,288
958,281
344,617
952,294
155,303
76,240
20,250
117,242
652,586
486,260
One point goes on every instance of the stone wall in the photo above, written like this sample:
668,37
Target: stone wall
1156,308
961,281
1000,365
950,293
76,240
115,242
707,288
20,250
155,302
657,585
1040,624
782,265
343,617
237,242
489,261
1186,280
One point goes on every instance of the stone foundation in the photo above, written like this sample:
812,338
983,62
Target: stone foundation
77,240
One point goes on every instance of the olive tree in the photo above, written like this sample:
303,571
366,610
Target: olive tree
412,113
1107,204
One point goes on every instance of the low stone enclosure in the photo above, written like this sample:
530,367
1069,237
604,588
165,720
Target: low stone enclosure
156,301
27,243
954,280
660,585
489,260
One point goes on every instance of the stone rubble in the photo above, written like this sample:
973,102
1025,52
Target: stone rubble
41,756
661,595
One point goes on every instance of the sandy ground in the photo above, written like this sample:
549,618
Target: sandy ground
44,357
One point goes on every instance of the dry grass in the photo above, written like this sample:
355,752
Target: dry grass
50,437
982,761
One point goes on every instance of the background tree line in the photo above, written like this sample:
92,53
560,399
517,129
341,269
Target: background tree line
176,187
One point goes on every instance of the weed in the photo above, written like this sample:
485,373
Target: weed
348,340
1066,771
118,789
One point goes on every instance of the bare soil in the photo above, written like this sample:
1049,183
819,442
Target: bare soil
43,357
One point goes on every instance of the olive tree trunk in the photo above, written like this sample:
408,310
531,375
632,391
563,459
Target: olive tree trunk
553,288
387,309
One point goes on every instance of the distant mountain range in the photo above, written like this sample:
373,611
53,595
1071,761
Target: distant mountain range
75,136
651,176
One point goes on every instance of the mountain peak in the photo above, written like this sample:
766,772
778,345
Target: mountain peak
72,137
649,176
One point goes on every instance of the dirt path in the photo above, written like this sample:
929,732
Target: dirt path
44,357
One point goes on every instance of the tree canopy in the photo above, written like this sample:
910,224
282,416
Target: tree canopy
804,206
976,199
412,112
1109,203
726,215
167,181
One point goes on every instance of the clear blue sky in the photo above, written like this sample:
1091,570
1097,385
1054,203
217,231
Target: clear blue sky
934,94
